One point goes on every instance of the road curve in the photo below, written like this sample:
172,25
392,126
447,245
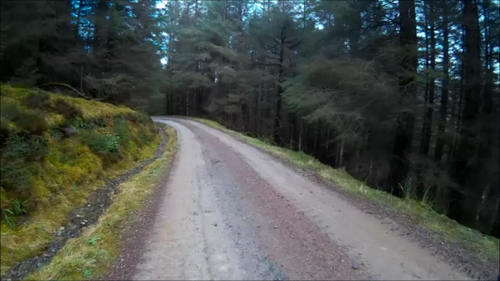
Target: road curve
232,212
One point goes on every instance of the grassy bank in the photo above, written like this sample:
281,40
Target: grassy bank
92,254
484,248
55,151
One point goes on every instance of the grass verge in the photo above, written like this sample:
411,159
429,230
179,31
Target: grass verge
92,254
484,248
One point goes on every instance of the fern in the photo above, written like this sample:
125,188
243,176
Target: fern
9,219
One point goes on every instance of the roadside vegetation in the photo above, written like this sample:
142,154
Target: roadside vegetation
55,151
418,210
92,254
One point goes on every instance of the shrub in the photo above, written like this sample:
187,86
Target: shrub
103,143
67,110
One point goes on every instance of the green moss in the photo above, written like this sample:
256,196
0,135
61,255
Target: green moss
92,254
55,174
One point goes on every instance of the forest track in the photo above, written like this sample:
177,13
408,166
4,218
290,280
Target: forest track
230,211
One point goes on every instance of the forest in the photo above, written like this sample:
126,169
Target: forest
403,95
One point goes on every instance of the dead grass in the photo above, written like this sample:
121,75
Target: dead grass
481,246
91,255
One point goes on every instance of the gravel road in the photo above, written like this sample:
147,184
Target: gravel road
229,211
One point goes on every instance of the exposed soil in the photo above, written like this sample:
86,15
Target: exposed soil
230,211
80,218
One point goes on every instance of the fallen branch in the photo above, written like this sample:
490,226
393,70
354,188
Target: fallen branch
55,84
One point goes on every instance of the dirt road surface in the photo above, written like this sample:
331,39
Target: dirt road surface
230,211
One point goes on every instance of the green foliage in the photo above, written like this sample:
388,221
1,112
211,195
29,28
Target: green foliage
134,68
103,143
112,143
86,273
409,189
25,146
18,208
428,197
8,217
55,133
93,240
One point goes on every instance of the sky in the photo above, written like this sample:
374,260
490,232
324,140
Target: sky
161,4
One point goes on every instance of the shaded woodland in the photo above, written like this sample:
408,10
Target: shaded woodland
402,94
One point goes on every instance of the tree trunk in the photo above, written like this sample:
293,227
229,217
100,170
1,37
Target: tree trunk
279,97
438,154
430,106
466,173
406,121
426,92
488,161
354,33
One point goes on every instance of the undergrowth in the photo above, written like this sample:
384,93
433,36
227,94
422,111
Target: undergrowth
92,254
483,247
56,150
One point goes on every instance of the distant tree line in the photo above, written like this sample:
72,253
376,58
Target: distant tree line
105,50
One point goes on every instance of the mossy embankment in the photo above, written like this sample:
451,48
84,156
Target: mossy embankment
55,152
92,254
